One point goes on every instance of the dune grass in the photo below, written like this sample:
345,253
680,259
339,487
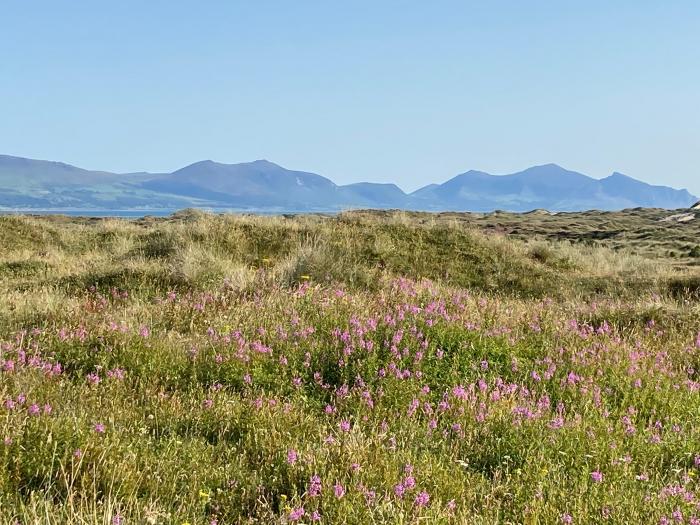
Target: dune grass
365,368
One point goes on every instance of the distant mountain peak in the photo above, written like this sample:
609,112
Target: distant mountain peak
259,164
199,163
264,185
550,169
265,162
619,176
471,174
548,165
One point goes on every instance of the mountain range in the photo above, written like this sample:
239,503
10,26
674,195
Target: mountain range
27,184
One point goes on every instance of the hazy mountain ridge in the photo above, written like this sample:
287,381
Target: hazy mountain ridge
263,185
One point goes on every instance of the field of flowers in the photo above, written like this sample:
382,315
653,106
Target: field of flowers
260,390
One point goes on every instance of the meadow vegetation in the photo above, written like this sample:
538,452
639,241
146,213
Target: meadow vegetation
370,367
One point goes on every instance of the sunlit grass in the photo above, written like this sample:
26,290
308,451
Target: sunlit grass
269,370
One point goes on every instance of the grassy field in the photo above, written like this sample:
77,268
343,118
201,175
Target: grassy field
372,367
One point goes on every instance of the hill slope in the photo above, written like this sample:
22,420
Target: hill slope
263,185
550,187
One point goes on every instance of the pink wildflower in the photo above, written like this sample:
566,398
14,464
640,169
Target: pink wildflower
314,486
422,499
409,483
296,514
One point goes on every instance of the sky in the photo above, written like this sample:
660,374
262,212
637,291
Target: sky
411,92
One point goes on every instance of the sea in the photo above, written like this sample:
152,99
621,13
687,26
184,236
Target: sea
137,214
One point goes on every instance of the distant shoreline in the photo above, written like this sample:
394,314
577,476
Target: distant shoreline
166,212
156,212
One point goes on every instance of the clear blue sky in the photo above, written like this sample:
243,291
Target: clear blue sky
408,92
